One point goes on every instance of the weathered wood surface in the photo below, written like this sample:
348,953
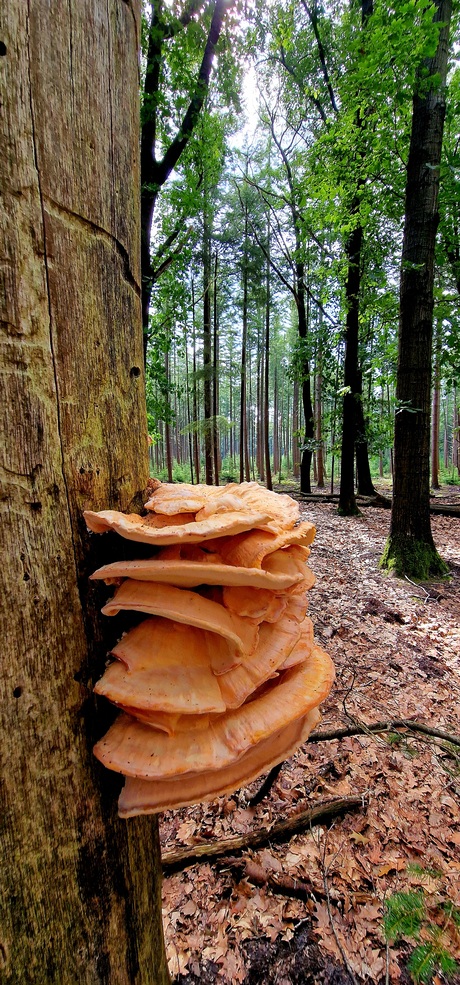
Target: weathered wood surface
80,897
181,858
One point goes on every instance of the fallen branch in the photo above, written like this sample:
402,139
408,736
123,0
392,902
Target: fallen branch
343,733
389,726
175,861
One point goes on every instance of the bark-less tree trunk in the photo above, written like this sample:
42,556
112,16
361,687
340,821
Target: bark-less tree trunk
410,548
80,898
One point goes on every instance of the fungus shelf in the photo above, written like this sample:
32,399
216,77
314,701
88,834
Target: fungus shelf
223,680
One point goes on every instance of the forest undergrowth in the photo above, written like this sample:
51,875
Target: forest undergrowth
376,892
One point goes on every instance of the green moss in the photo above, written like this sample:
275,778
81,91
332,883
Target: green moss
351,511
414,558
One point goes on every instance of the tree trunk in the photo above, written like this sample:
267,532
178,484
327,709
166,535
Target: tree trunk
207,364
266,366
456,435
436,413
365,484
244,451
215,378
319,419
353,417
295,430
155,173
168,444
275,422
410,548
81,888
305,461
196,440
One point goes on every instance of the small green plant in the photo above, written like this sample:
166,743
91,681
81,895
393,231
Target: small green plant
411,916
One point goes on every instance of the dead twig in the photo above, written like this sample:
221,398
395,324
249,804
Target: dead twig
180,859
388,726
358,728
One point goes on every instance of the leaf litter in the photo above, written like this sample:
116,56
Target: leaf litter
396,649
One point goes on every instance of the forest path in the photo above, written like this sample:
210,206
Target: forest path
396,649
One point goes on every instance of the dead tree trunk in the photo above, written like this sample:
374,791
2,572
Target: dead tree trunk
81,888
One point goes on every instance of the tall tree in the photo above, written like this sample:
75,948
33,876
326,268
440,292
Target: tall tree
410,547
80,898
353,424
155,171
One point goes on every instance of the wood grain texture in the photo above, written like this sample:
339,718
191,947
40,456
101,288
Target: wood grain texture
80,897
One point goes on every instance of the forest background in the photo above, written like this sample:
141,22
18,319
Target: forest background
273,276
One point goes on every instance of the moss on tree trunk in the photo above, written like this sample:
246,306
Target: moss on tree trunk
415,558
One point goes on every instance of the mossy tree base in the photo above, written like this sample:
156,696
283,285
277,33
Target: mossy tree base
350,509
415,558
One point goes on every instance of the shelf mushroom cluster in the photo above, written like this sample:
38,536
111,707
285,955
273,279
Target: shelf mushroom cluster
223,678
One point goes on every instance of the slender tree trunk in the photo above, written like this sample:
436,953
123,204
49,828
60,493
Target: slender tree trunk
244,453
456,435
446,433
189,436
365,484
266,365
410,548
353,417
215,378
207,361
80,896
318,419
169,463
230,411
305,462
196,440
382,409
436,409
295,430
155,173
276,453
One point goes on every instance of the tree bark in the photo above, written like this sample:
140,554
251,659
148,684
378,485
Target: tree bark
266,367
410,547
207,347
353,425
81,888
436,412
215,378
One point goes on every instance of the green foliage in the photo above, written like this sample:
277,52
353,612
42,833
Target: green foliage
180,473
203,427
404,913
410,915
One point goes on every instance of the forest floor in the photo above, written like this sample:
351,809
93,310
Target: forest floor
396,649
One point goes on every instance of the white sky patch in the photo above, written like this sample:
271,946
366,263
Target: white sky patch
250,101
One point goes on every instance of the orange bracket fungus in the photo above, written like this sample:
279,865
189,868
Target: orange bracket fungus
222,680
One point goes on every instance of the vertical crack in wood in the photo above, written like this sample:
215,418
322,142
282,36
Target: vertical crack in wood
109,87
48,293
